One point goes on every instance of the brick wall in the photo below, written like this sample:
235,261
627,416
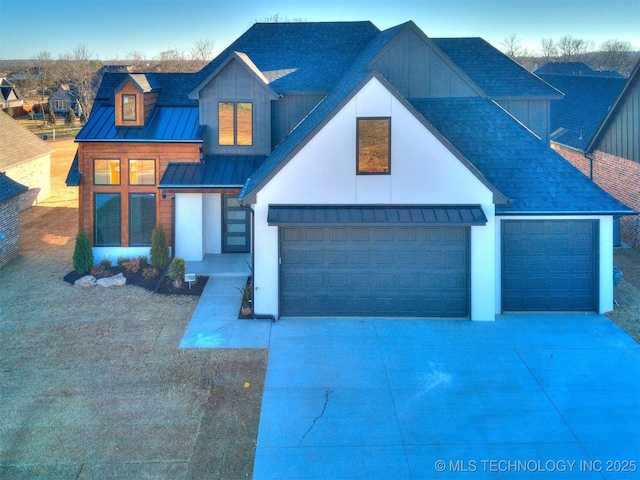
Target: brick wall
9,230
618,176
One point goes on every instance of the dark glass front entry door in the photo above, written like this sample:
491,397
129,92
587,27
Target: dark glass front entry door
236,226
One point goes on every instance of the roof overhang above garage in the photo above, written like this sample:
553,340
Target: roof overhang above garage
377,215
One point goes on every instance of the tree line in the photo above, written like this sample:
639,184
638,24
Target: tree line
613,55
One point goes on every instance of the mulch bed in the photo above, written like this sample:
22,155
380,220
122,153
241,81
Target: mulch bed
161,284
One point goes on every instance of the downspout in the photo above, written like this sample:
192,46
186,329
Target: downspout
254,315
591,159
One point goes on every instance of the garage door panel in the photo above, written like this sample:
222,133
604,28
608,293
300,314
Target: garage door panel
376,272
550,265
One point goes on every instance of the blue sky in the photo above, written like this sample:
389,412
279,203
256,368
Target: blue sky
111,29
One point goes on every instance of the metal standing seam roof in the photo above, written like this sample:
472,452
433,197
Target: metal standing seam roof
375,215
216,171
74,175
10,188
537,179
494,72
165,124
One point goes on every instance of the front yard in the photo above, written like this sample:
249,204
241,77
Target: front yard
92,384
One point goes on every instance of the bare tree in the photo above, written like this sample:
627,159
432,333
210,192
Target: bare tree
277,18
573,49
45,78
78,70
136,60
172,60
201,52
615,55
549,49
513,47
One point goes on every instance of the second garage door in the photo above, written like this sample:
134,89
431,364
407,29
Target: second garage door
374,271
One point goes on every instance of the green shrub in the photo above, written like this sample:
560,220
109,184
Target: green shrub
69,117
82,253
159,248
106,263
121,260
177,269
143,261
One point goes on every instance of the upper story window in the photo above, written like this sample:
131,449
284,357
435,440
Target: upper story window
374,146
235,123
106,171
142,172
129,108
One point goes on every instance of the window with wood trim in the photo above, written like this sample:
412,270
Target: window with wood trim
142,218
106,171
373,146
235,123
142,172
129,108
106,218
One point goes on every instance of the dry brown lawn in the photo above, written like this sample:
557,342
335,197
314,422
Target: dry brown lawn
92,384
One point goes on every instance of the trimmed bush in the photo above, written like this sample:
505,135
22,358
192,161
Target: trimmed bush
159,248
177,269
82,253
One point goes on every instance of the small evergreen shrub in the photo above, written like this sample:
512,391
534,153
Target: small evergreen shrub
82,253
159,248
106,263
143,262
177,269
70,117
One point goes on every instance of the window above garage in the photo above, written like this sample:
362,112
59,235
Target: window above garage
373,146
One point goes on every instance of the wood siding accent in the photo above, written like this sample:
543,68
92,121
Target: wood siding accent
621,136
162,153
287,112
130,89
535,114
417,70
235,84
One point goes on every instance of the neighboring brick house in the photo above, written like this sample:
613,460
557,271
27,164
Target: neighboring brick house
596,128
10,192
368,172
26,159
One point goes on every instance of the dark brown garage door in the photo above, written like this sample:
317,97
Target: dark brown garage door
550,265
374,271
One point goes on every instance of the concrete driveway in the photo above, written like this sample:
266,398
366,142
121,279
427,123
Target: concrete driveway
525,396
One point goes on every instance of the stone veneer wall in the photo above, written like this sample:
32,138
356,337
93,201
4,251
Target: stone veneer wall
9,230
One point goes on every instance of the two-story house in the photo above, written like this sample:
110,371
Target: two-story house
368,172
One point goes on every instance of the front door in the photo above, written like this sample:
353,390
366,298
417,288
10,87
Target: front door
236,226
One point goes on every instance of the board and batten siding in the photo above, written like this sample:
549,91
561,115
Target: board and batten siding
235,84
535,114
423,171
417,70
288,111
621,135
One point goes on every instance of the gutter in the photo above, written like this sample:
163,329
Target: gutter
254,315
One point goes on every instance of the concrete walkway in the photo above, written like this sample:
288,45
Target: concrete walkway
214,323
525,396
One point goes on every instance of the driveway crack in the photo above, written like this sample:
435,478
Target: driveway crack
327,394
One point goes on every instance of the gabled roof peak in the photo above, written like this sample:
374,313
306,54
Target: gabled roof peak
139,81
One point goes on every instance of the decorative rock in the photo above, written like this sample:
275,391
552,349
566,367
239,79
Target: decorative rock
86,281
116,281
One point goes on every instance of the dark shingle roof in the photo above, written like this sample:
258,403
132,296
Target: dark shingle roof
172,88
494,72
321,113
587,100
9,188
216,171
165,124
573,68
524,168
17,144
300,56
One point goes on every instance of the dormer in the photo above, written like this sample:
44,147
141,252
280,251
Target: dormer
134,100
